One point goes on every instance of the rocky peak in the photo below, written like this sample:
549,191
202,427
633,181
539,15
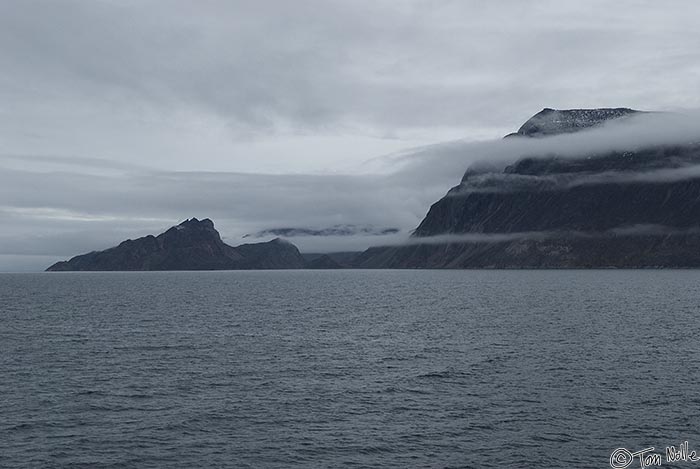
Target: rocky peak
192,229
554,121
193,223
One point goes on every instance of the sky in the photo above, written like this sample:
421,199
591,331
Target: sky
120,118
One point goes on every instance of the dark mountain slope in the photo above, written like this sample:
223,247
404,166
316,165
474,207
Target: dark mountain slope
637,208
191,245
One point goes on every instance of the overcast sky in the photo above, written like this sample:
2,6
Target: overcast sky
122,117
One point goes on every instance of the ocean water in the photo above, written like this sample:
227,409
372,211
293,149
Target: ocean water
476,369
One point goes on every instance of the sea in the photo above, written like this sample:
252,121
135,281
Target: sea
349,368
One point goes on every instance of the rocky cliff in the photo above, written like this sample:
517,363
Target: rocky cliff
635,208
191,245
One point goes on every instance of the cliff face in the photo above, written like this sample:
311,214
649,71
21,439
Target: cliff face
637,208
585,195
191,245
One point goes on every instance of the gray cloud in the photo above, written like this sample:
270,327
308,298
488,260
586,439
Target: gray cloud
382,66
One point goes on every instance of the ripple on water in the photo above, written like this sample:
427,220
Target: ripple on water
354,368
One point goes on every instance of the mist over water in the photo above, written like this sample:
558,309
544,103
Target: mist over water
346,368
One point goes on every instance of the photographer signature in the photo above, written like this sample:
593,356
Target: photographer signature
622,458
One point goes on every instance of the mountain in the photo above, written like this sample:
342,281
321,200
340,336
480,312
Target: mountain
275,254
191,245
634,208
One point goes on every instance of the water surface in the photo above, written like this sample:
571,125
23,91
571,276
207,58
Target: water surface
346,368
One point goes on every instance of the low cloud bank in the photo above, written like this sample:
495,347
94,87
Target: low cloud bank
504,183
626,230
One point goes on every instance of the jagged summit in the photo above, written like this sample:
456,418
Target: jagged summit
194,223
558,121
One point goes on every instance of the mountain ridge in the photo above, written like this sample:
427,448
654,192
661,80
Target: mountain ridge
192,245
